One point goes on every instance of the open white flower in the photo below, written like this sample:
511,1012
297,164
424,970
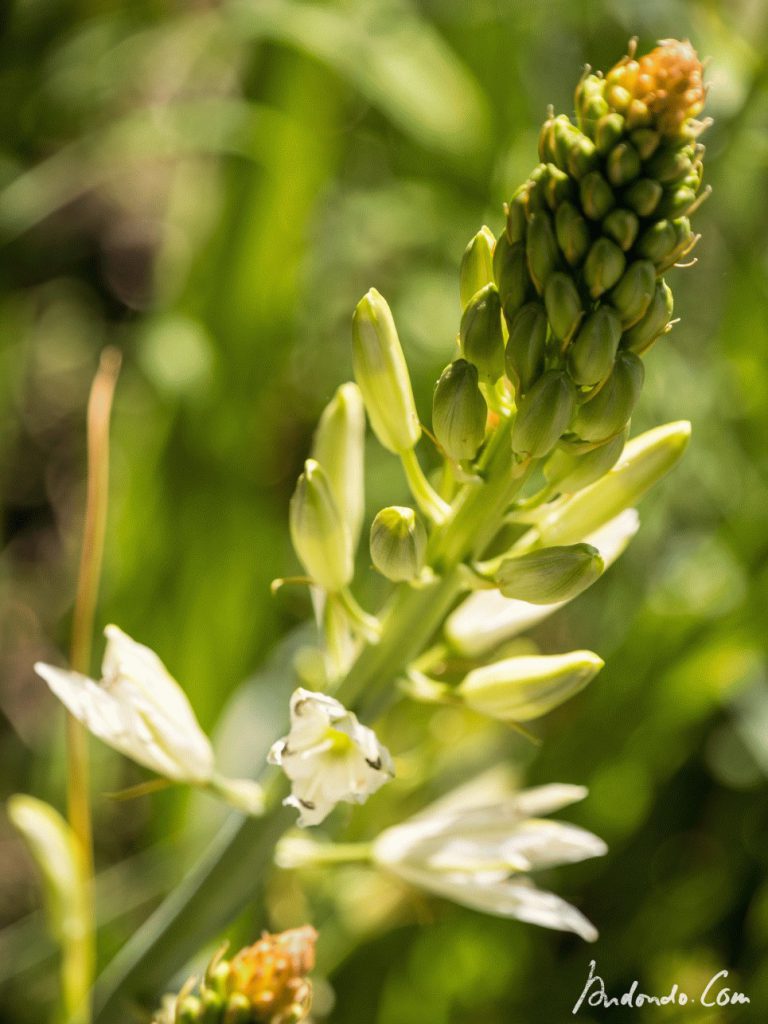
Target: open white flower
140,710
329,757
478,857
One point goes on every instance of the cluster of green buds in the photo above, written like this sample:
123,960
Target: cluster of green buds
557,314
577,274
262,984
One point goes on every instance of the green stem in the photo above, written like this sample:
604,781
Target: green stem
368,625
425,496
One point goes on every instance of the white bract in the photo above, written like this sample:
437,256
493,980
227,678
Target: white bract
329,757
479,857
140,710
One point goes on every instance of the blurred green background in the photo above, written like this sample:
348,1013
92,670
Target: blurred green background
211,187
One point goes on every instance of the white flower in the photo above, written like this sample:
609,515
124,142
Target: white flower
486,618
477,857
141,711
328,756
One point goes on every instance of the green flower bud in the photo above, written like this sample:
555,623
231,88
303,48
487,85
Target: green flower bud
608,412
482,340
603,266
239,1010
398,544
547,141
658,242
541,248
622,226
596,195
640,337
670,165
608,131
646,142
543,414
459,411
212,1006
572,233
188,1010
677,203
632,295
339,447
622,164
590,102
524,688
571,471
643,196
550,574
644,461
557,187
517,218
476,265
382,375
320,537
582,156
510,270
524,356
563,305
591,356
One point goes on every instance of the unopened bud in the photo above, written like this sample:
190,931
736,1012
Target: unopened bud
608,130
640,337
572,233
632,295
550,574
541,247
646,142
622,164
603,266
558,187
213,1004
644,461
524,356
543,414
339,447
482,340
670,165
521,689
589,102
608,412
459,411
476,265
398,544
188,1010
510,271
643,196
320,538
591,356
382,375
597,196
563,305
517,220
238,1010
582,156
622,226
570,471
658,242
677,203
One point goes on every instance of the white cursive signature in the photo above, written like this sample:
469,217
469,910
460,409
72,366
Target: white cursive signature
714,994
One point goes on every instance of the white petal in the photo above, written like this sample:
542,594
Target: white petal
521,899
540,800
546,844
118,724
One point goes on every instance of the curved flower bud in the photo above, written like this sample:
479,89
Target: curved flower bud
570,469
382,374
482,341
524,688
329,757
640,337
526,346
459,411
572,233
510,271
543,414
320,537
398,544
603,266
142,712
607,414
550,574
339,447
563,305
476,265
476,856
632,295
591,356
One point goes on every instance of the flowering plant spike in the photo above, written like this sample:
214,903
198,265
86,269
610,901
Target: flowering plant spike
536,498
